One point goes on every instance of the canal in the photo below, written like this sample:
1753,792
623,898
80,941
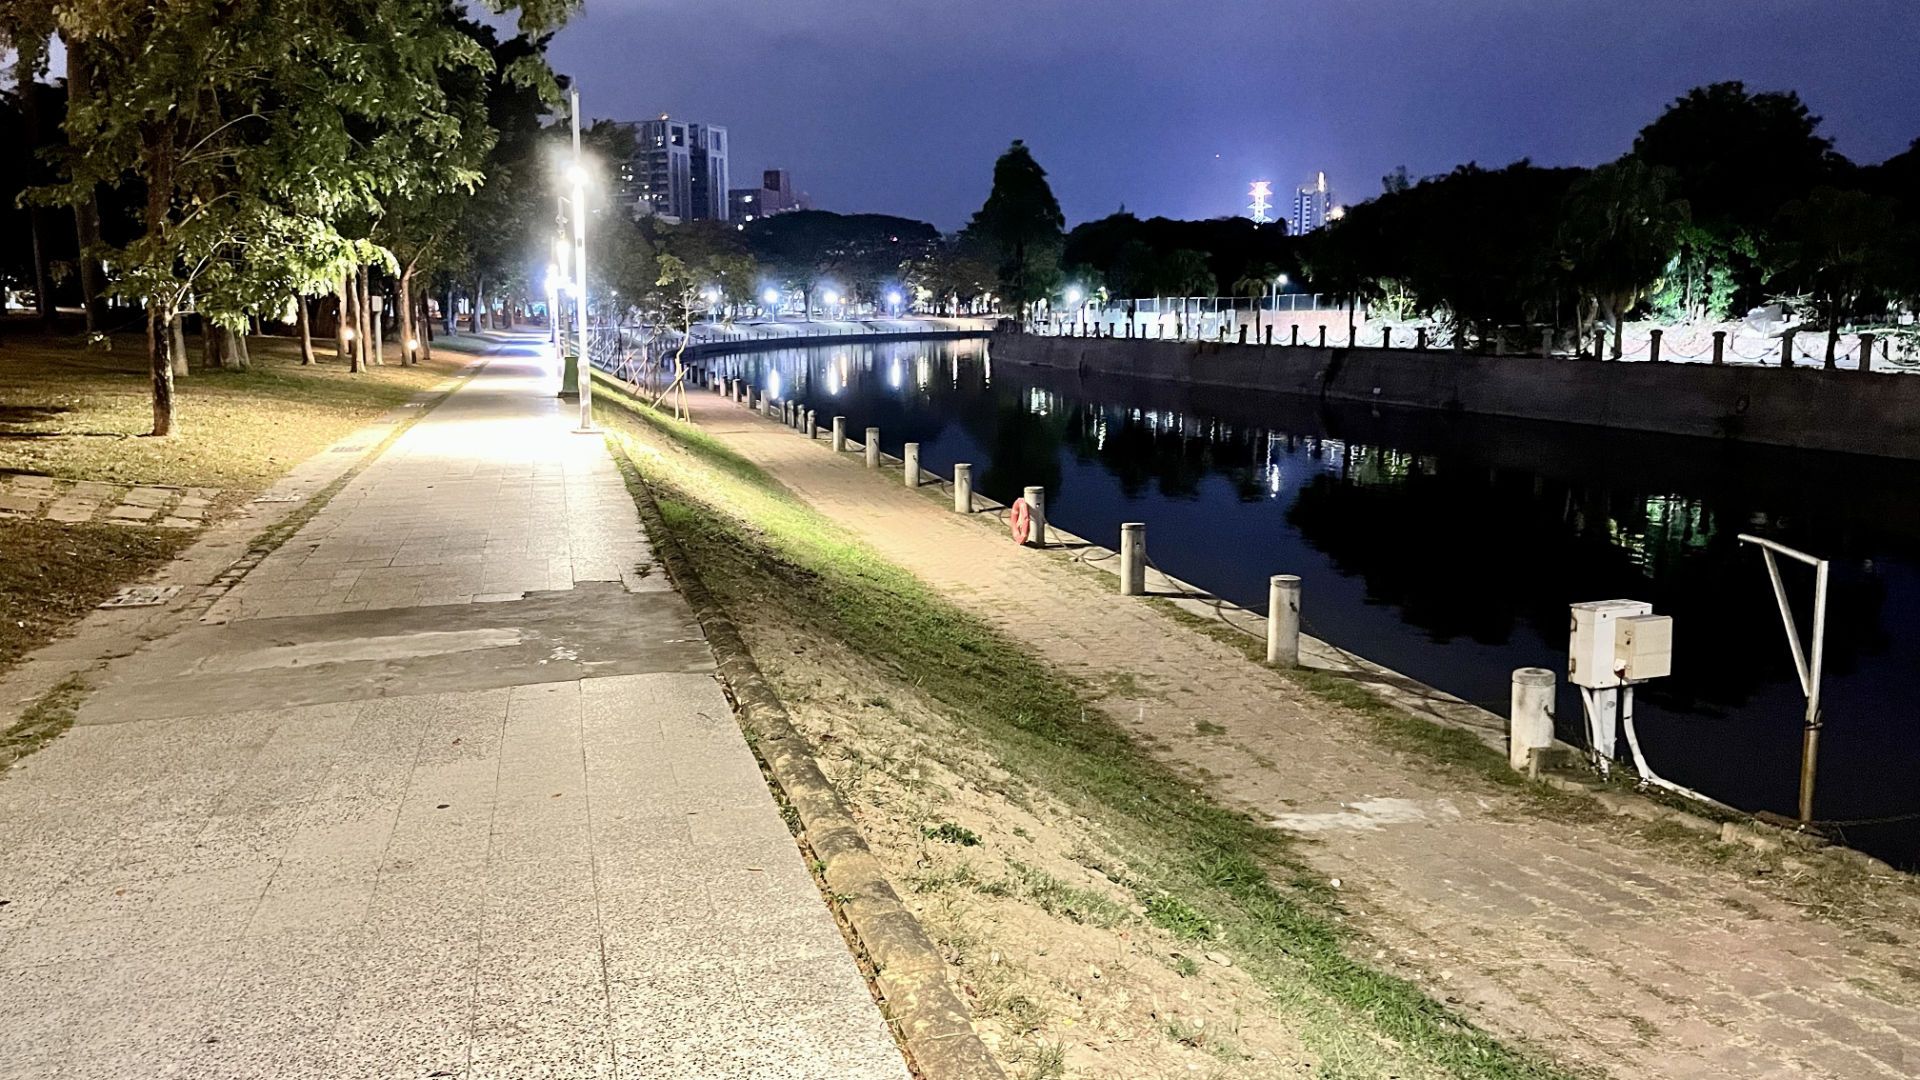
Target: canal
1448,547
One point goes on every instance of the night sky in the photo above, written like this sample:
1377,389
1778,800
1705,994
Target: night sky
1171,108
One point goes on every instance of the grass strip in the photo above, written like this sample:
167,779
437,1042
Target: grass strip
759,547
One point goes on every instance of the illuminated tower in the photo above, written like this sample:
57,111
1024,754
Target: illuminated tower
1261,192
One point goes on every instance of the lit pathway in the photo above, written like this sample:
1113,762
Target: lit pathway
1572,934
443,788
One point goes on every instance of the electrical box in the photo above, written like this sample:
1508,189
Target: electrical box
1643,647
1592,645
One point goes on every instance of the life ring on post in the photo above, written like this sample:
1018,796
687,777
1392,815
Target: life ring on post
1021,520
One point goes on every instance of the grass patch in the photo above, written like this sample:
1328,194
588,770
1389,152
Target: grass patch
53,574
764,554
949,833
49,715
80,414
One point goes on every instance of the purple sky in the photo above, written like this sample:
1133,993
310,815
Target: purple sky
1173,107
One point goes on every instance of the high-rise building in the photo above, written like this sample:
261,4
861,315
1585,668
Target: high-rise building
1312,205
775,195
709,165
678,171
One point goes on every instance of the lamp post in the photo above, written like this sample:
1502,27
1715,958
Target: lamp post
578,174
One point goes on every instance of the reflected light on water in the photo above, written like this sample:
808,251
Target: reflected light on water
773,383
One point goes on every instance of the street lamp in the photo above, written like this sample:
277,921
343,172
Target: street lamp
771,298
893,301
578,174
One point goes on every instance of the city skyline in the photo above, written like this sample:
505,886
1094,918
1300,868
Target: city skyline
908,117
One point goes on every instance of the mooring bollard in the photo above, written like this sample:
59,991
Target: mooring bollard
963,488
873,448
1037,514
1283,620
1133,558
910,464
1866,352
839,434
813,425
1530,723
1719,347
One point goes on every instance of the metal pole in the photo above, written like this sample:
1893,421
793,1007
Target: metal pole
580,269
1810,739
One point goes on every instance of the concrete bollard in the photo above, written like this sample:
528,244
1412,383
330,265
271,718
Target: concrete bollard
910,464
1530,723
873,448
1037,510
1133,558
963,488
813,425
1243,333
753,398
1283,620
839,434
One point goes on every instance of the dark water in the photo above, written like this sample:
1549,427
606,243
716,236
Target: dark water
1449,547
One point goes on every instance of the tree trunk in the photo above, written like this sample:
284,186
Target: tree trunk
424,322
159,359
230,358
340,308
363,304
403,314
305,320
350,312
31,58
177,333
212,345
86,212
448,314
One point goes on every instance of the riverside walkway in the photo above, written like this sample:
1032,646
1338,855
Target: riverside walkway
443,787
1568,930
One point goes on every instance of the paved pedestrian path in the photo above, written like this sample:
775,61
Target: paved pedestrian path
1573,934
444,787
26,495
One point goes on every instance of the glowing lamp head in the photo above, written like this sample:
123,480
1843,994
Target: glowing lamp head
1073,296
830,296
771,296
576,174
894,298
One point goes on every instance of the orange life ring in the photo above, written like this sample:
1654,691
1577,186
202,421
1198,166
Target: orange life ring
1021,520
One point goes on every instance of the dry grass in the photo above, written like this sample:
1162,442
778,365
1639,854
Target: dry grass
78,414
69,412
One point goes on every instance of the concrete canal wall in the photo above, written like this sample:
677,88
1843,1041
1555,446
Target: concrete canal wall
1806,408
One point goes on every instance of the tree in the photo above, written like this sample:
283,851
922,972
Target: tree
1842,248
1737,158
1619,231
1253,283
253,127
860,253
1021,224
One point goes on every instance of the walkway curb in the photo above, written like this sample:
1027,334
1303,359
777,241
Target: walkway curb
930,1019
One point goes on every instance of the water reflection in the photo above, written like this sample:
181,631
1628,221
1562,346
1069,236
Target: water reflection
1449,547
